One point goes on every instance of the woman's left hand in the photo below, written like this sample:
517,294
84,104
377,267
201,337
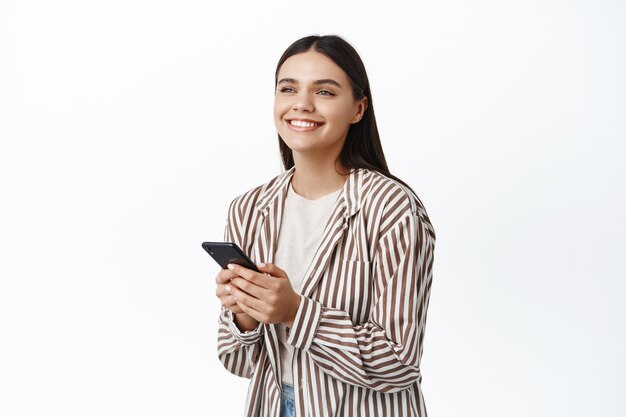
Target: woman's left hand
267,296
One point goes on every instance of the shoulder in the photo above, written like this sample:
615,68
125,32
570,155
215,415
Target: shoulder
393,200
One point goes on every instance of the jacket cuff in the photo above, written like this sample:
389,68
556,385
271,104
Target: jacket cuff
305,324
248,337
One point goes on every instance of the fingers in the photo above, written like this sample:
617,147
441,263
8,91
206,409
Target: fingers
235,309
244,299
253,313
226,299
247,284
224,280
224,276
260,279
222,291
272,270
263,296
247,305
241,271
250,287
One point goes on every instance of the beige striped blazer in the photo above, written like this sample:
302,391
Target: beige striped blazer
359,330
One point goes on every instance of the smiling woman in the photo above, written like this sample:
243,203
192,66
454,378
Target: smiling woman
333,324
313,115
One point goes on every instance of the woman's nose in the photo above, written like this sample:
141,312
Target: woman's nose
304,103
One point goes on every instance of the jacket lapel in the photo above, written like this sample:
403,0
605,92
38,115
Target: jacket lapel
271,204
346,206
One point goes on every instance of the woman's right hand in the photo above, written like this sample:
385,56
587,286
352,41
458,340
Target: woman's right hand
243,321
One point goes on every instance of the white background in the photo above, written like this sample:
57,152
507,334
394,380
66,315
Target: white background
127,127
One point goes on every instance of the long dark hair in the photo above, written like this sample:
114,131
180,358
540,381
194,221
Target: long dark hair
362,148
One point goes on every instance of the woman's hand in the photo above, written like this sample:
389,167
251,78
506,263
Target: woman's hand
242,320
267,296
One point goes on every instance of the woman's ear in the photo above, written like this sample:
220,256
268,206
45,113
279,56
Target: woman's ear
362,106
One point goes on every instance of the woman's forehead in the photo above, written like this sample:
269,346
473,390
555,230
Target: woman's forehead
311,66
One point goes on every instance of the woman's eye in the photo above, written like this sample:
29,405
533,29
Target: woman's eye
286,90
326,93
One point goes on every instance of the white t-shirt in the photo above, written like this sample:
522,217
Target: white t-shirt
301,229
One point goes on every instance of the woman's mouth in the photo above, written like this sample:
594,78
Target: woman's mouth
303,125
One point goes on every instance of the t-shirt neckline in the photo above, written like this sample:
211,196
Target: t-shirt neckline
293,192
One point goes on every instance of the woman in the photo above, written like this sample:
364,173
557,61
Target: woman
334,323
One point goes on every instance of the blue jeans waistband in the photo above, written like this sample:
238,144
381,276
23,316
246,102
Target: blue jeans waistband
287,406
287,392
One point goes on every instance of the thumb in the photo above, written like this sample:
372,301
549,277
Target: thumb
272,269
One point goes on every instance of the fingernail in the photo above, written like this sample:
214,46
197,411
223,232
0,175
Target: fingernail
261,264
228,288
231,266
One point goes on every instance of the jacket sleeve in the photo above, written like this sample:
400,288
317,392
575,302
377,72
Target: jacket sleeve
384,352
238,351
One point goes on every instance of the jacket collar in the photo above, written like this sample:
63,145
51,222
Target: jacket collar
351,192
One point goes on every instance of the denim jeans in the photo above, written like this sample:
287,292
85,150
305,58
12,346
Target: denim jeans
287,408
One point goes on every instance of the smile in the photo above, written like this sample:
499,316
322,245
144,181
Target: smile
303,126
301,123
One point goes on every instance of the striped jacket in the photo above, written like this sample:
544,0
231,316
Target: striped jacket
359,330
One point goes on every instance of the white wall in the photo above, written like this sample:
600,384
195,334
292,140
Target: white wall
127,127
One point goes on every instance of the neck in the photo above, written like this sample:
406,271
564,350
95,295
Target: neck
313,179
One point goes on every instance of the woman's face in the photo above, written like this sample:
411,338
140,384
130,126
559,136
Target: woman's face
314,106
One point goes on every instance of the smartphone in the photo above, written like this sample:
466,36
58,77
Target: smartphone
226,253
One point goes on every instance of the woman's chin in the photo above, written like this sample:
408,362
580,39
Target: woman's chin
300,144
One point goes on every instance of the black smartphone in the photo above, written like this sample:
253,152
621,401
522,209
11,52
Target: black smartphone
226,253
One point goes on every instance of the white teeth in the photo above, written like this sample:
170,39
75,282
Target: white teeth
300,123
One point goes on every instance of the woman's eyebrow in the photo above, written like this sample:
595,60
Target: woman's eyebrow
316,82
